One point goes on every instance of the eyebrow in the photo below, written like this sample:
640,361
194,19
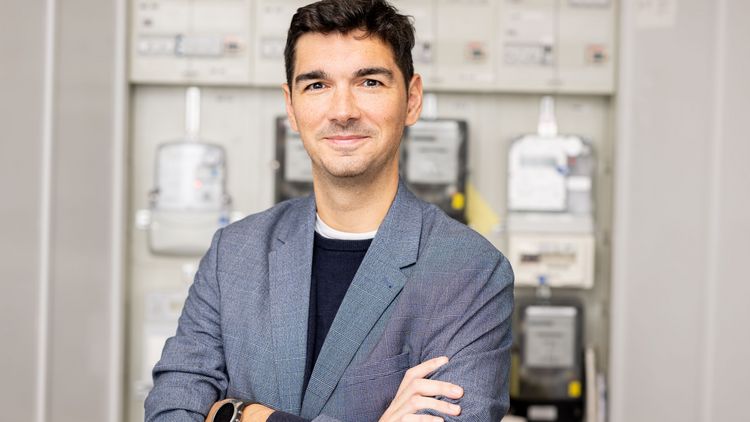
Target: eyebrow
367,71
315,74
370,71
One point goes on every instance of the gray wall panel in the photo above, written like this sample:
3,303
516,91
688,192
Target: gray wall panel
21,85
78,375
681,206
82,242
731,335
669,128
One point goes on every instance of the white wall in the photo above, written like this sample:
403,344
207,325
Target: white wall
62,111
680,340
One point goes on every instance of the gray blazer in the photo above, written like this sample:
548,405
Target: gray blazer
428,286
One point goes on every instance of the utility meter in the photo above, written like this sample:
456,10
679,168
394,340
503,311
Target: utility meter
189,201
433,163
548,366
550,206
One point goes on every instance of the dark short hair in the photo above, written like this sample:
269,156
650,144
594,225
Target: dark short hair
375,17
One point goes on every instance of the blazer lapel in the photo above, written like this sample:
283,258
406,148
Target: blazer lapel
289,275
378,281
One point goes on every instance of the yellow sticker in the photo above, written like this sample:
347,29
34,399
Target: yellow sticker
574,389
459,201
480,214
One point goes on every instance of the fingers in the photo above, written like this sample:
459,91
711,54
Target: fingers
421,371
426,387
417,403
426,368
416,392
418,396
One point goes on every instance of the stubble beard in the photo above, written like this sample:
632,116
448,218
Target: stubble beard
343,167
350,171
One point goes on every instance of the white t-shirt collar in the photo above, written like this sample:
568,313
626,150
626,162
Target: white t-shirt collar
328,232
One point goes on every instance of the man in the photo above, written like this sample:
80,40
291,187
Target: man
316,308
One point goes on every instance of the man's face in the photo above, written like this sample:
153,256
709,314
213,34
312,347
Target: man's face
349,103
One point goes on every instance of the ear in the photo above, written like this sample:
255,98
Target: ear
414,100
289,106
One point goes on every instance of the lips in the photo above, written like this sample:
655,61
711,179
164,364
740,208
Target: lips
345,141
345,137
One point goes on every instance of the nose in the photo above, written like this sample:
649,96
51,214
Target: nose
343,107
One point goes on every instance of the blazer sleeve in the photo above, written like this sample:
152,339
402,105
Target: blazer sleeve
191,374
472,326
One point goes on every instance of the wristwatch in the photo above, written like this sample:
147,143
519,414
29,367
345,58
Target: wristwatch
227,410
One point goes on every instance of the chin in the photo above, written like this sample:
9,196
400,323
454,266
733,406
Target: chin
346,173
345,170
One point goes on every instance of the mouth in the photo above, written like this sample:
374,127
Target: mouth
345,141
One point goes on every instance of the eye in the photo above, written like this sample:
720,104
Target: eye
372,83
314,86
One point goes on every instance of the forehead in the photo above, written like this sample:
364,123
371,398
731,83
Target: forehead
341,52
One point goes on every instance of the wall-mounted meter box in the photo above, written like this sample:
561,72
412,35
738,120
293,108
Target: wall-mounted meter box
271,23
548,369
586,46
193,42
527,43
433,163
465,44
562,256
189,202
565,46
550,222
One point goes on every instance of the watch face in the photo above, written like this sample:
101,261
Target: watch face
225,413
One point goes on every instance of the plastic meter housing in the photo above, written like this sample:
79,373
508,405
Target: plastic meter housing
189,202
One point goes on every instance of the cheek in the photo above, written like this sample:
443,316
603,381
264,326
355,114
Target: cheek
308,117
389,114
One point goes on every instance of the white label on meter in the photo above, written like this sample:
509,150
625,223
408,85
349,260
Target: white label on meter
542,413
550,336
297,165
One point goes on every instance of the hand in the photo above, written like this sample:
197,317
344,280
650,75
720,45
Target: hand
417,393
256,413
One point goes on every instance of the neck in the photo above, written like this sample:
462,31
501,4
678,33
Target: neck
355,205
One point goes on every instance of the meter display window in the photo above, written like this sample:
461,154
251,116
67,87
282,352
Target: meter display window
550,337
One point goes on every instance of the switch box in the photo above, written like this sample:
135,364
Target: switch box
562,46
190,42
465,53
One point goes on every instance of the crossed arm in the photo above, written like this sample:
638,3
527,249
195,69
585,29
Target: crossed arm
416,392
